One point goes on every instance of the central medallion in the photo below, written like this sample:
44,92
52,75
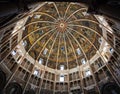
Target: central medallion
61,26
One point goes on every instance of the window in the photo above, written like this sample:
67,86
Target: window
37,16
62,48
111,50
85,13
36,72
100,40
24,43
87,73
62,78
83,61
62,67
13,52
40,61
78,51
45,51
40,32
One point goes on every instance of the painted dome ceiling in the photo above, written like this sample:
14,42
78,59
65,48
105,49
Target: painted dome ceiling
61,34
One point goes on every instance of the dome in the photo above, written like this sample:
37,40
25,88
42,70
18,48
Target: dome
60,34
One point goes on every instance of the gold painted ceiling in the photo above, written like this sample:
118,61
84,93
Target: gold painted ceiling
61,34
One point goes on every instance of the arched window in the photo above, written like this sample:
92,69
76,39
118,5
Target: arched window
62,67
78,51
36,72
13,52
62,78
83,61
40,61
45,51
87,73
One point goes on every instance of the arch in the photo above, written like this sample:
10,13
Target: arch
13,88
110,88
